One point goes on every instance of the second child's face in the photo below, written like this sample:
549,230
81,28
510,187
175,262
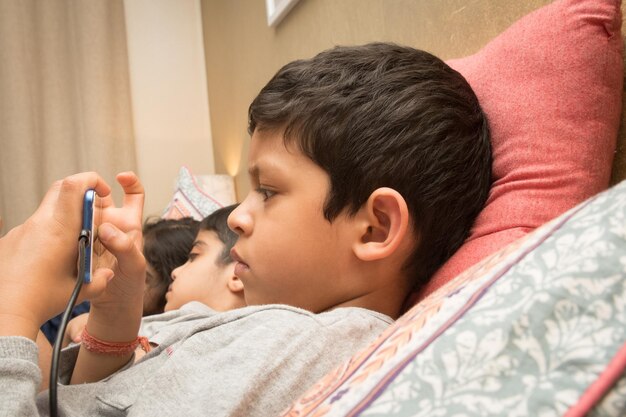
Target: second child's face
287,252
201,278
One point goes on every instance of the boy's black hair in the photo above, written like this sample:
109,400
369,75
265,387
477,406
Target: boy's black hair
166,246
217,222
384,115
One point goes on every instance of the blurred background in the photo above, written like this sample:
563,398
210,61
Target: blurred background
154,85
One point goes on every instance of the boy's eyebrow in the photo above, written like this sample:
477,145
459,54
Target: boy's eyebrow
254,171
198,243
266,167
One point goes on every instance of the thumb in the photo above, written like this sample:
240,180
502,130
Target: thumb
130,261
99,280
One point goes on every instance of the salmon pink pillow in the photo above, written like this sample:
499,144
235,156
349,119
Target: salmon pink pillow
551,86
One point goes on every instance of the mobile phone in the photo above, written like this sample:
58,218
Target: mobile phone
90,229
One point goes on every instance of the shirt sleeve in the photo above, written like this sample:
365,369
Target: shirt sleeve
20,376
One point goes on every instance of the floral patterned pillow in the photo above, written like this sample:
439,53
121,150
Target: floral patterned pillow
538,329
190,199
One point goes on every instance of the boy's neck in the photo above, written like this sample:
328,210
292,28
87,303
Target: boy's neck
388,300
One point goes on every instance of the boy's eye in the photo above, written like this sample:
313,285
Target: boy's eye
192,256
265,193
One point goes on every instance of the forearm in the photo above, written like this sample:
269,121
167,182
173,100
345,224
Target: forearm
118,327
18,325
92,367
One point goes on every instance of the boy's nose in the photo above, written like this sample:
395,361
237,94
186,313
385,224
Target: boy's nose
240,220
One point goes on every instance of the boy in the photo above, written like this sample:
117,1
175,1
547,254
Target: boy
208,275
368,164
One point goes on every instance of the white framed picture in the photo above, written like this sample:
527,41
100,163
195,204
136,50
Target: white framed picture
277,10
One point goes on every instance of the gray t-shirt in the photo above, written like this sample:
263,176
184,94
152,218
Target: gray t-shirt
253,361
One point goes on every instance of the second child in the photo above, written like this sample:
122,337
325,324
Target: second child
208,276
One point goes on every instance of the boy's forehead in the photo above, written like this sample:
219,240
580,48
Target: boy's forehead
206,238
269,153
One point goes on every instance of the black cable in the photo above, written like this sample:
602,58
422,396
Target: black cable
56,352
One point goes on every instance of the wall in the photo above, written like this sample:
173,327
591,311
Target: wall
242,52
169,94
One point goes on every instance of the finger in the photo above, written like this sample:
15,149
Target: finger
130,260
133,190
99,280
106,259
107,201
98,249
68,208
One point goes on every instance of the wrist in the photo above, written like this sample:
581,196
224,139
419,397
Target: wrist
15,325
95,345
118,326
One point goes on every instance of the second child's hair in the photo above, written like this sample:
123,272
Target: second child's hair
383,115
217,222
166,246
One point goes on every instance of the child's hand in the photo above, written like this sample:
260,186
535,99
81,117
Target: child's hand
116,311
120,234
128,217
74,329
38,258
115,314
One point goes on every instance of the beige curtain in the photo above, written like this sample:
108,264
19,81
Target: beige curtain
64,97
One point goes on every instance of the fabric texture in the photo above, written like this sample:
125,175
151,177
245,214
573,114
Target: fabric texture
189,199
551,87
246,362
538,328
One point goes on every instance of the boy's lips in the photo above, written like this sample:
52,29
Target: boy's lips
235,256
241,266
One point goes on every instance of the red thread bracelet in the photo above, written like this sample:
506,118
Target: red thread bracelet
96,345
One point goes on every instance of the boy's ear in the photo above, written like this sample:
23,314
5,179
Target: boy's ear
234,284
383,224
